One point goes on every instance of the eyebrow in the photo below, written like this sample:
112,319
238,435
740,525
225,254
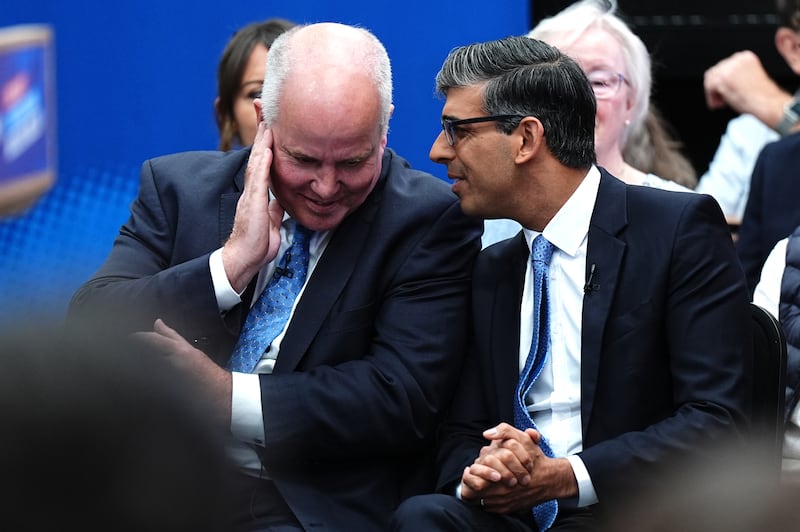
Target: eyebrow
300,155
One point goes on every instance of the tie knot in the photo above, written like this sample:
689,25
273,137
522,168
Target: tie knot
301,235
542,250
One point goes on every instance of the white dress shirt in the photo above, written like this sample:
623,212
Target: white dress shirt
768,290
555,399
728,176
247,422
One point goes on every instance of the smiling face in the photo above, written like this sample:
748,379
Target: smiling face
594,50
481,161
327,147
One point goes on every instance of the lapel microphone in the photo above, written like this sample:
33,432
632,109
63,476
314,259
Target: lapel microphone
589,286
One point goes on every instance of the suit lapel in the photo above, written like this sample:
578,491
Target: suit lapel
505,307
606,252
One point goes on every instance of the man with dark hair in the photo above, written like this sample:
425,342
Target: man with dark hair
609,340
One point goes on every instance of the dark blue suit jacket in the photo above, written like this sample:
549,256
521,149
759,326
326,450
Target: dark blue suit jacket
773,206
665,339
373,351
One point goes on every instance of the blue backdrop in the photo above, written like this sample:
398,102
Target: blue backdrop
137,79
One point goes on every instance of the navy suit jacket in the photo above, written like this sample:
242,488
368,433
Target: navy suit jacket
773,206
372,354
665,338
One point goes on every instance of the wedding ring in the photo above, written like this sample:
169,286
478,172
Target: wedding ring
483,504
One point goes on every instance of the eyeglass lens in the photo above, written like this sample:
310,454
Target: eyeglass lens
605,83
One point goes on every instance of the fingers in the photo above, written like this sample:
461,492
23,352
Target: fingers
275,211
153,340
502,431
258,166
534,435
255,237
475,483
165,330
508,460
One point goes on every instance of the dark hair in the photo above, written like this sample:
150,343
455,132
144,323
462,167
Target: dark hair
528,77
655,149
231,69
788,12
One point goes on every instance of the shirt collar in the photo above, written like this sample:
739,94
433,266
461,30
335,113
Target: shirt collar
570,226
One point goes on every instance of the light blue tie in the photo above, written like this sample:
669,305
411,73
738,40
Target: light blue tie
542,252
269,314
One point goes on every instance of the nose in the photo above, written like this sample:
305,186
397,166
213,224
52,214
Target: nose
441,151
325,183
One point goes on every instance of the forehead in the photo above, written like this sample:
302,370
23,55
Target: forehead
256,64
464,102
593,49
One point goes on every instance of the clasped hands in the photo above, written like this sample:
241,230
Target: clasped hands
512,474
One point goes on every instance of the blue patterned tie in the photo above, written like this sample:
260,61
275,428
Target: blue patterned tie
269,314
542,252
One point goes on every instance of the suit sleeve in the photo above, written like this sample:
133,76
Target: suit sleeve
142,280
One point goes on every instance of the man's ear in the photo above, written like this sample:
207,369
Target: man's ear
257,105
531,139
787,41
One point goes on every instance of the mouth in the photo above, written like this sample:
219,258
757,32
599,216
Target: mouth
321,206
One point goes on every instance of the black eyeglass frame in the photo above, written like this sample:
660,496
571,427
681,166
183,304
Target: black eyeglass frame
449,126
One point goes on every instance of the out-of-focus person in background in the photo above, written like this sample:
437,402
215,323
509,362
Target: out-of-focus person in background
778,291
631,138
768,112
618,66
655,149
240,76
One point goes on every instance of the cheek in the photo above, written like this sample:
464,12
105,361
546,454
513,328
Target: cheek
286,176
360,185
246,118
610,120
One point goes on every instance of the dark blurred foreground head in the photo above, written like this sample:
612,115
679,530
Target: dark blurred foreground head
101,435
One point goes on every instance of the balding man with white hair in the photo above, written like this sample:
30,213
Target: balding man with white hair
332,412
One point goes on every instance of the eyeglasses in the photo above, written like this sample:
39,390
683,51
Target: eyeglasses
605,83
449,126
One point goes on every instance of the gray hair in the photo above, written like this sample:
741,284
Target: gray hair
371,56
572,22
527,77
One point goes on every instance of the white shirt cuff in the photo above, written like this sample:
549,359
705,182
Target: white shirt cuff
247,421
586,494
227,298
